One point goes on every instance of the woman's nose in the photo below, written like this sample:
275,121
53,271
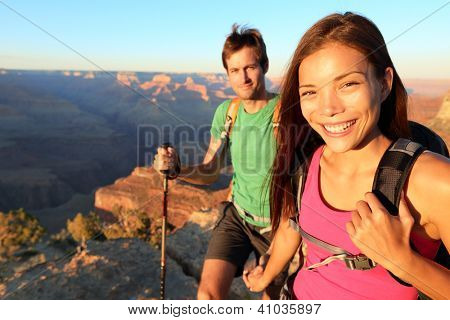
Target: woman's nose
330,105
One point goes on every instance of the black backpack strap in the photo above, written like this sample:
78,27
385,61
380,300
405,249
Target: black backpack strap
390,177
298,186
393,170
427,138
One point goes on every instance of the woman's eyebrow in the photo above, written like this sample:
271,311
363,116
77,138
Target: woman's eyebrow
339,77
347,74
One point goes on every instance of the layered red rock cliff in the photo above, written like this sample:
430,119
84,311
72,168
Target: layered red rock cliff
143,190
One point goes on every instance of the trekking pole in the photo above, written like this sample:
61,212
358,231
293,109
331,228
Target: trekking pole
163,237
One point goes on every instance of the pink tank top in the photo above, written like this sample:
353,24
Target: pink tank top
335,280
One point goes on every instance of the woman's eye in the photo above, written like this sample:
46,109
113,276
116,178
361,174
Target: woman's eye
349,84
307,93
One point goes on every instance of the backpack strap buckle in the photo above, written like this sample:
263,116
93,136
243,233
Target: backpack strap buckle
359,262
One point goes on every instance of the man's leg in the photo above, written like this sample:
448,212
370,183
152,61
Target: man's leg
228,250
216,279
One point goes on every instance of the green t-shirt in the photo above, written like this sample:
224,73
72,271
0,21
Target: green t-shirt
253,148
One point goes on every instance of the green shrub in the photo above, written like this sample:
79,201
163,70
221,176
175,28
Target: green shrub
18,230
134,224
83,228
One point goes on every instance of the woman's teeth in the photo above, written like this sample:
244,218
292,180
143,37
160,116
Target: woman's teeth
339,128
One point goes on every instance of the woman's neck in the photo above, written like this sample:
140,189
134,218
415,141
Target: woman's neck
362,159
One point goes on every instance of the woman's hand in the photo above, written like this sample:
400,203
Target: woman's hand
254,279
253,273
380,236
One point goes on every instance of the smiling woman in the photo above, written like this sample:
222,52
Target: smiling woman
342,84
342,97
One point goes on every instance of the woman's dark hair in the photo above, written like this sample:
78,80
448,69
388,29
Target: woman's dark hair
295,135
241,37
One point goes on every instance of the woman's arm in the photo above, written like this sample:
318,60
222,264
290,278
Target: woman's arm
386,239
284,246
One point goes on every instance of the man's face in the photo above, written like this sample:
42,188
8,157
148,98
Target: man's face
246,75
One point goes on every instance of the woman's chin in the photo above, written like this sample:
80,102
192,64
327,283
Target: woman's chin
339,145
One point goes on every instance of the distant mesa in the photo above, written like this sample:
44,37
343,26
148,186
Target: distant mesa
427,87
164,87
190,85
89,75
442,119
220,94
159,80
160,84
213,77
162,78
126,78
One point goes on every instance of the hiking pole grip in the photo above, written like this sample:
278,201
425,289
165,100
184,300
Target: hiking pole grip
166,146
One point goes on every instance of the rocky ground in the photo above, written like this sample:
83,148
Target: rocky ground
114,269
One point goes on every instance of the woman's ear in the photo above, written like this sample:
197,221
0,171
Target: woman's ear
387,83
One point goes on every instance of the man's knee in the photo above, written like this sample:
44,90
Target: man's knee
206,292
216,279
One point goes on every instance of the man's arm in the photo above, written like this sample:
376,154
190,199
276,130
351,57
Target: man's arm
209,170
205,173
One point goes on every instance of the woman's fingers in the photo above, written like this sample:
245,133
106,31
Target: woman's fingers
245,278
404,213
350,228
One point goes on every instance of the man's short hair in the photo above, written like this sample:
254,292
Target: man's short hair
241,37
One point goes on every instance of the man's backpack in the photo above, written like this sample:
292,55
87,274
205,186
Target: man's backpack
232,112
390,177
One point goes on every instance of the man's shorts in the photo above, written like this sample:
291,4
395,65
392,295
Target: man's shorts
233,240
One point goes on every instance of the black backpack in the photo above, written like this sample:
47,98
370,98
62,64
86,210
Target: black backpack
390,177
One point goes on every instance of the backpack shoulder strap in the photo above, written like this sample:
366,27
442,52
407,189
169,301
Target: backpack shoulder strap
230,119
276,118
298,186
428,138
390,177
393,171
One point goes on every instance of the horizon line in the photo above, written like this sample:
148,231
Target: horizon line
174,72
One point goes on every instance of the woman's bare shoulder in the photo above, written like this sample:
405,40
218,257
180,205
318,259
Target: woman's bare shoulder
429,187
431,169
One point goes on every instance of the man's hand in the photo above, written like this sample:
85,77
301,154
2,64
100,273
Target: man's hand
167,159
253,273
254,279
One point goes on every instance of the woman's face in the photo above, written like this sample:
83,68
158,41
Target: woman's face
341,97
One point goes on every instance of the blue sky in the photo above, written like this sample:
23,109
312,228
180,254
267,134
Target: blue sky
187,36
